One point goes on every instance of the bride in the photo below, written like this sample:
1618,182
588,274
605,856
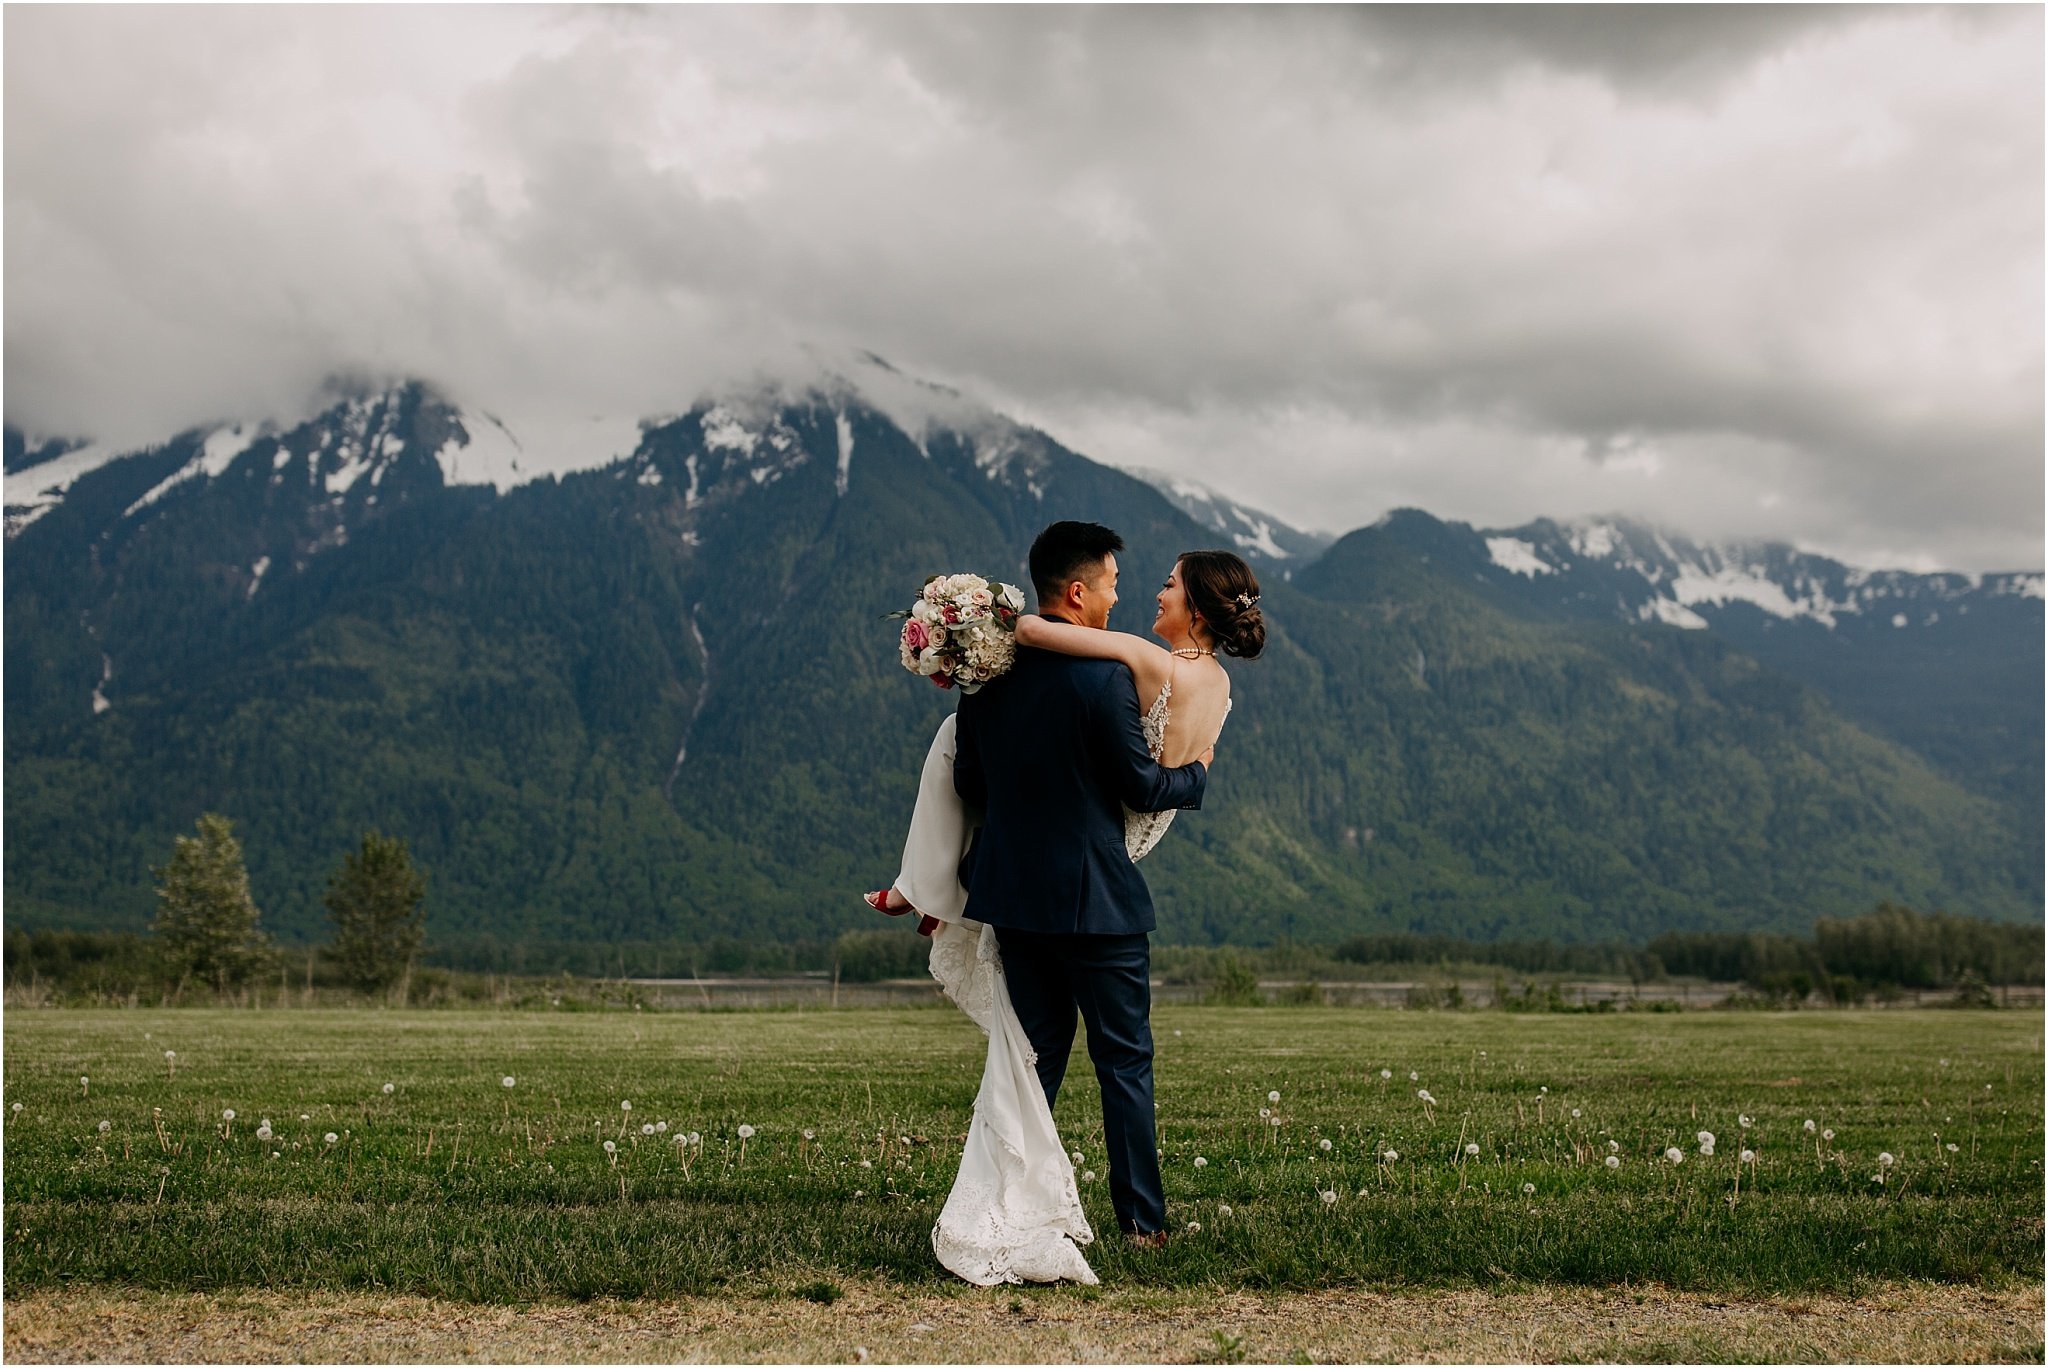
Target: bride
1014,1214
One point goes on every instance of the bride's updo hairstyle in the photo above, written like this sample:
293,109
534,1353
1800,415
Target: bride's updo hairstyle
1224,592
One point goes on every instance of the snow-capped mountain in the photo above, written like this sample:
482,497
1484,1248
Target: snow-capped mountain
1629,569
635,681
1948,664
340,456
1259,536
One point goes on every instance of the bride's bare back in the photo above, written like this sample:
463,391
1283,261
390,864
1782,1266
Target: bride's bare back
1201,688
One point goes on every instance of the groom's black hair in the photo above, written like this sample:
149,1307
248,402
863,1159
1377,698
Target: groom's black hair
1069,551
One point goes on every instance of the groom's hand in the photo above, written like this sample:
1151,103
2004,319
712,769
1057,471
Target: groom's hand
1208,758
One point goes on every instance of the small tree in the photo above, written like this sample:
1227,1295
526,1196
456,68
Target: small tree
205,918
376,899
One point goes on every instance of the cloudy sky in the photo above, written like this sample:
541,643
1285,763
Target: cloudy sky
1768,271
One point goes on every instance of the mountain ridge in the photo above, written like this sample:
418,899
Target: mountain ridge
653,697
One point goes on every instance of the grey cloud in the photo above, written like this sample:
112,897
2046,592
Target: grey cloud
1775,268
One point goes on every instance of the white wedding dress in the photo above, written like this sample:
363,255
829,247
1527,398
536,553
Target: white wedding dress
1014,1214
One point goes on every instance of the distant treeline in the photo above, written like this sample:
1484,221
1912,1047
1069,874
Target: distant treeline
1528,957
1843,959
1893,946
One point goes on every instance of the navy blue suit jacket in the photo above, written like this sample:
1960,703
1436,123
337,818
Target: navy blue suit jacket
1052,752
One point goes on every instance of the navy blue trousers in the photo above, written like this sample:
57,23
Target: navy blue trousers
1107,979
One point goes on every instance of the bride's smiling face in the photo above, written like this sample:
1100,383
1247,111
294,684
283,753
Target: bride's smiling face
1175,621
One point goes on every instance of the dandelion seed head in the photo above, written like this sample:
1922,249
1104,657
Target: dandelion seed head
17,1106
1745,1121
1674,1155
1471,1150
228,1115
1575,1113
810,1135
1950,1147
611,1147
1528,1189
1885,1161
1273,1096
1809,1126
1194,1227
507,1081
1386,1073
625,1106
83,1080
1613,1161
1089,1176
1200,1162
1329,1197
1223,1210
1265,1112
1324,1145
1414,1077
1827,1135
746,1132
1613,1145
1748,1156
647,1128
304,1117
1543,1090
1075,1156
332,1137
1391,1156
106,1126
170,1054
661,1127
275,1155
390,1088
1705,1137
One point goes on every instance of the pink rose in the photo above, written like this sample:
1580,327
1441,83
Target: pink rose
915,636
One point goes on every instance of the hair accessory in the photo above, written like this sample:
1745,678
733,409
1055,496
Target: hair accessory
1247,600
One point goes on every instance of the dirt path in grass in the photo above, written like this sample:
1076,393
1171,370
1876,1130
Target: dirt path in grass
1900,1323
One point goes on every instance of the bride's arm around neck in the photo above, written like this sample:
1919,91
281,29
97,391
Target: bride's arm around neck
1149,663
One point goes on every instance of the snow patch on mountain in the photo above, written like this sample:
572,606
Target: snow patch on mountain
2027,586
215,455
100,702
1512,553
491,455
1250,530
1670,611
845,433
35,491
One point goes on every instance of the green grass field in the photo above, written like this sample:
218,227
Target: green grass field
438,1180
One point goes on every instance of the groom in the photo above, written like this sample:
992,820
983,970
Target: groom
1052,753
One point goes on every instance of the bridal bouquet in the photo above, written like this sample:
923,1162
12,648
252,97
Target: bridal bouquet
961,630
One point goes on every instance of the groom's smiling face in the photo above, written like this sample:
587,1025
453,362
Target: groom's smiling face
1099,594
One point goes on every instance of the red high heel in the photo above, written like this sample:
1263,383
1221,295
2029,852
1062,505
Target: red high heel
880,902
